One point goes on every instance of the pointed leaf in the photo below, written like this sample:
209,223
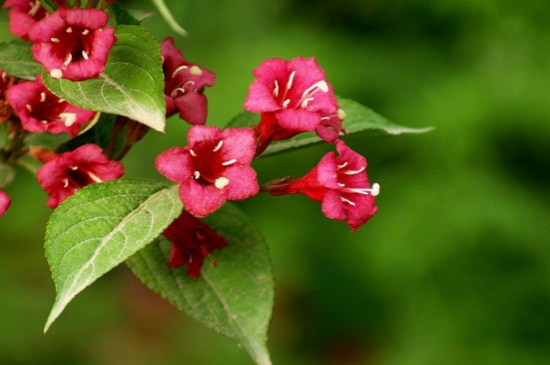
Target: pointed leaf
101,226
359,120
16,59
132,84
234,297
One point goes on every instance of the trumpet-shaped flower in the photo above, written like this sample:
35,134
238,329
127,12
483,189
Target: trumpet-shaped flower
184,85
42,111
192,241
64,174
23,15
212,168
73,43
340,183
293,97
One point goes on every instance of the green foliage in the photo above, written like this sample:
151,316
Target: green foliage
16,59
102,225
360,120
132,84
234,297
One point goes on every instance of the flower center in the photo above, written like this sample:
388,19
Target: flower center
306,97
209,164
77,177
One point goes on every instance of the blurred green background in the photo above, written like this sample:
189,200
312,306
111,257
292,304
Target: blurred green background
455,267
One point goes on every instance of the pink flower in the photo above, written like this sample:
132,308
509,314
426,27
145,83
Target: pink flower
23,15
64,174
192,241
293,97
73,43
340,183
40,110
184,85
5,202
213,168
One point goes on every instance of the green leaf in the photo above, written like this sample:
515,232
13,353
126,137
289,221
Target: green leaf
234,297
102,225
168,17
16,59
359,120
132,84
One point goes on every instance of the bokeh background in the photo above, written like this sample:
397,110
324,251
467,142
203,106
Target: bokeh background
455,267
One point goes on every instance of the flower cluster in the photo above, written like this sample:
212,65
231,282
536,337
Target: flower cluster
289,98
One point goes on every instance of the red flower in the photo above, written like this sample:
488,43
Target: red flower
213,168
184,85
340,183
192,241
23,15
4,202
293,97
73,43
64,174
40,110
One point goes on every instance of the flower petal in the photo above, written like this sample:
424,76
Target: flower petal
201,200
243,182
175,164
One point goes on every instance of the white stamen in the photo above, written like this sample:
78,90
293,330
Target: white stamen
341,114
69,59
355,172
94,177
230,162
306,101
61,101
84,55
195,70
74,168
68,118
175,91
375,189
290,80
65,183
69,30
181,68
34,8
218,146
85,32
196,175
341,185
192,153
276,90
285,103
347,201
42,97
44,121
4,76
55,40
221,182
189,84
56,73
29,108
339,167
